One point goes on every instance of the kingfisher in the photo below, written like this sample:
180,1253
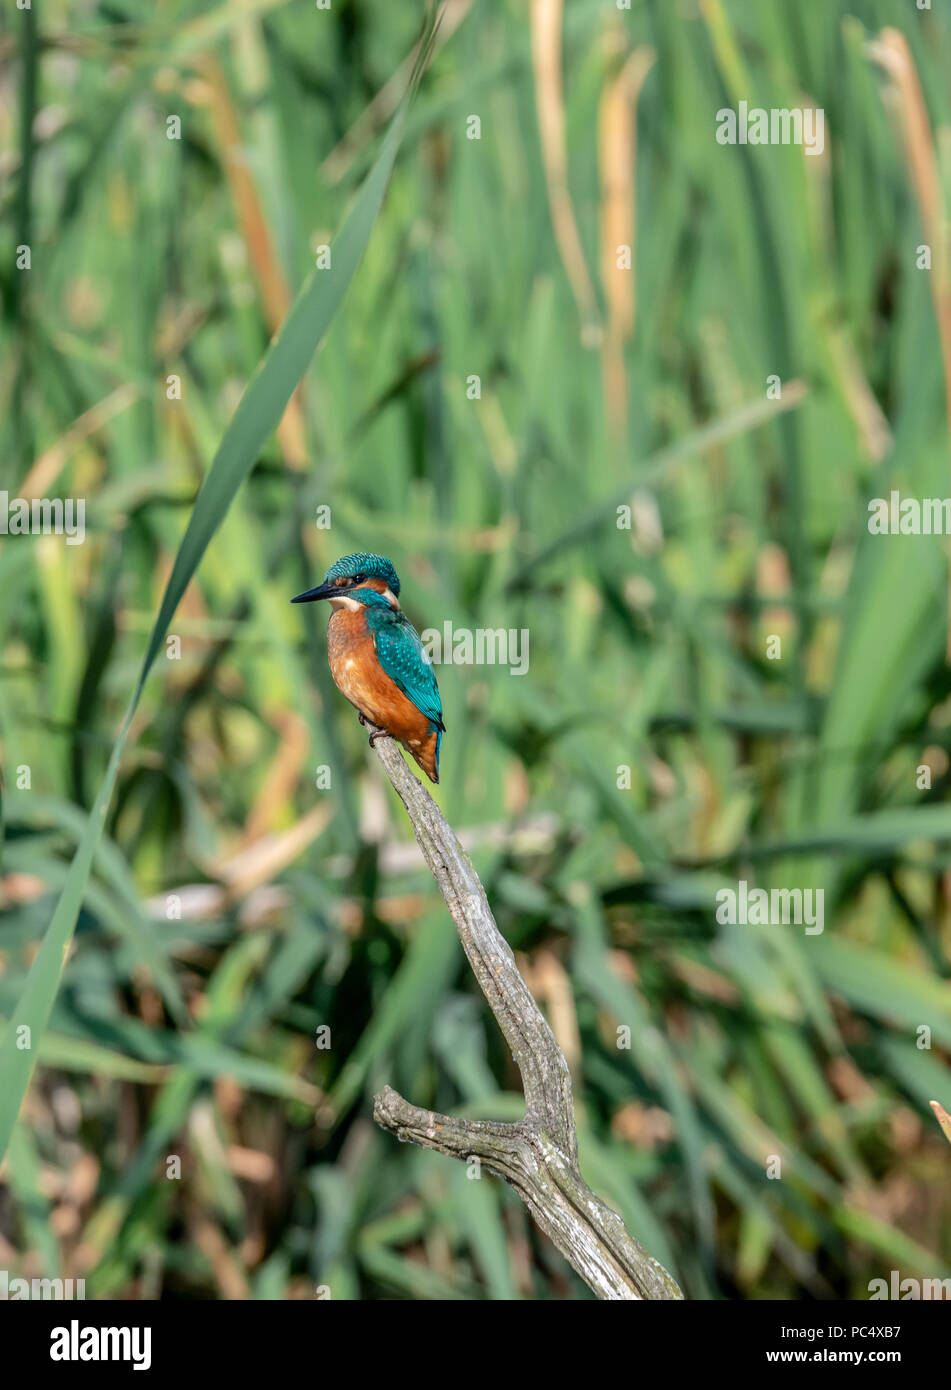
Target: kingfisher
377,658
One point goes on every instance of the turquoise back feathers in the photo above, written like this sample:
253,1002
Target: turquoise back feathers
401,653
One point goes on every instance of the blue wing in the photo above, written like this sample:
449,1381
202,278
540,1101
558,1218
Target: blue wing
404,659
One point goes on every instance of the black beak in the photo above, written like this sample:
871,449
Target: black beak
312,595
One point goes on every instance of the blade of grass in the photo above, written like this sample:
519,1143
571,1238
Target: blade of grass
258,412
656,469
943,1118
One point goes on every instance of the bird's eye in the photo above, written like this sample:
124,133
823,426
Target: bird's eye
359,578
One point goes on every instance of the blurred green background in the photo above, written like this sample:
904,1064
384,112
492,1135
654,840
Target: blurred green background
257,881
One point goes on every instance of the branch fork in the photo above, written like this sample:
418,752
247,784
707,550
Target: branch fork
538,1156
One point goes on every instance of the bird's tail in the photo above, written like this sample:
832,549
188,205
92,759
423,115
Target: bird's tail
427,755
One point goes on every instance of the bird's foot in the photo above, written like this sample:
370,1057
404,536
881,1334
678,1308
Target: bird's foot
375,733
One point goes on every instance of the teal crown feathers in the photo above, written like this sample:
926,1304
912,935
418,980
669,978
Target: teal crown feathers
369,566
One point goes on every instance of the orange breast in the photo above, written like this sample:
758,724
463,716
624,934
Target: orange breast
359,675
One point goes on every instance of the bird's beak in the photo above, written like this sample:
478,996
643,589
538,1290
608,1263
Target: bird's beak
312,595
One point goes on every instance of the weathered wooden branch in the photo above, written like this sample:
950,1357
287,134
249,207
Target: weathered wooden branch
539,1155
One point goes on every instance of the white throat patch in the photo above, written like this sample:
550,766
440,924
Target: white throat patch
345,601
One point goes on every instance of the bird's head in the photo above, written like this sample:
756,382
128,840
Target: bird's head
355,572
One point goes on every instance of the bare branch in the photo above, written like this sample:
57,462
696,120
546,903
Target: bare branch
539,1155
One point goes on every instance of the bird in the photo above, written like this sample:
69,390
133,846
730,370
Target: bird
377,657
